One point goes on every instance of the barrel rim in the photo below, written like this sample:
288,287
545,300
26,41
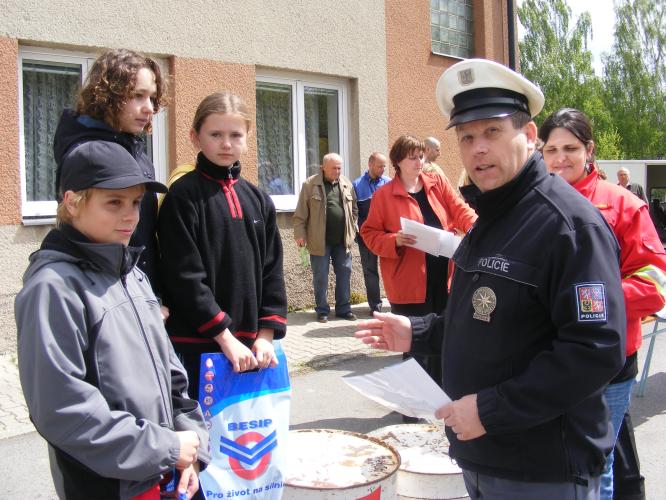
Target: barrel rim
358,435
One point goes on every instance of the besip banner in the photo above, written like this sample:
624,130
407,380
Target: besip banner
247,415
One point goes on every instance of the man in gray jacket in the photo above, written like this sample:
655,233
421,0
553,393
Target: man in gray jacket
326,221
100,377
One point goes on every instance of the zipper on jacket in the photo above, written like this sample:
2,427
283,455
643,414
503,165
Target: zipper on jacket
123,280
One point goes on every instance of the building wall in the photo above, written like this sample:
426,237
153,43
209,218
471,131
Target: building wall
413,71
209,46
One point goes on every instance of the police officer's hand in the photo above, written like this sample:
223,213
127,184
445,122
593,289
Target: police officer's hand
463,418
404,239
189,444
387,331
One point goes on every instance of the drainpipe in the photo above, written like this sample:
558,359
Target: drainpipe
512,33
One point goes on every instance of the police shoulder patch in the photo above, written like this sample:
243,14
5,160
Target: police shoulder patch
591,301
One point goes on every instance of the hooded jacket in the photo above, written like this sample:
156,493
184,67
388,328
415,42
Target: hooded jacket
100,377
76,129
535,327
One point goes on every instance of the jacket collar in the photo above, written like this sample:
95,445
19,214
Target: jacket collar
494,203
114,258
398,187
216,172
588,184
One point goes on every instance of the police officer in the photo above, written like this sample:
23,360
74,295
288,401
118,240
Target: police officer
535,324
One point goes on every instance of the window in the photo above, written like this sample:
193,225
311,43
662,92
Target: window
452,27
298,122
48,82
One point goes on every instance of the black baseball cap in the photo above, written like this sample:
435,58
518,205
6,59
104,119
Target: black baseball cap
104,165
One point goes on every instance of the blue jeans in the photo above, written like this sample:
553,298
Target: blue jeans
617,397
342,267
370,274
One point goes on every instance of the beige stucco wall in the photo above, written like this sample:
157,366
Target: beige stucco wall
343,38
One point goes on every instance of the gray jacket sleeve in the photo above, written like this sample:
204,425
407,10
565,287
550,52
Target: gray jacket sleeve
67,410
187,412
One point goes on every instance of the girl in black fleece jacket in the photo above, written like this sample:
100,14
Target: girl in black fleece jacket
221,262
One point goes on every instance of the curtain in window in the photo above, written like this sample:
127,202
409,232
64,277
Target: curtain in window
274,138
48,88
321,126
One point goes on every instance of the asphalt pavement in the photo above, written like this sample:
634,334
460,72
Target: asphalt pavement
319,355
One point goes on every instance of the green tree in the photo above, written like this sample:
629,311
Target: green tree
554,55
635,77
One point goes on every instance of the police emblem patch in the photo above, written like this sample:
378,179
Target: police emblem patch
466,77
484,302
591,301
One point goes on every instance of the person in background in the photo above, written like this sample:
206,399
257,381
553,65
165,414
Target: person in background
415,282
122,92
624,180
534,327
326,221
365,186
568,151
430,155
100,377
221,250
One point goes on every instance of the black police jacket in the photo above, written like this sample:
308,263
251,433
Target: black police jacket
535,326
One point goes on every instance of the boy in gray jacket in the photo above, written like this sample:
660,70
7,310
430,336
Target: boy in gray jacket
98,372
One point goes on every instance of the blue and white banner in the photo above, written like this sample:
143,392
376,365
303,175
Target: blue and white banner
247,415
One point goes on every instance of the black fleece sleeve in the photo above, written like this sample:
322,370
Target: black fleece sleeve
273,306
184,278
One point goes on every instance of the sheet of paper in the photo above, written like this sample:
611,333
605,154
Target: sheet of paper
404,387
430,239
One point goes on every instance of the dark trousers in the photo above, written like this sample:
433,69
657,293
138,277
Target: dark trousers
370,274
484,487
628,484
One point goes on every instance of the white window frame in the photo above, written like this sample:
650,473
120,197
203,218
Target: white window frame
43,212
298,82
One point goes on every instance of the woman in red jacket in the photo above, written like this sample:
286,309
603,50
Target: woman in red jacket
415,282
568,150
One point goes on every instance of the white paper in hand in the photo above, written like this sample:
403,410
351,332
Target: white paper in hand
404,387
430,239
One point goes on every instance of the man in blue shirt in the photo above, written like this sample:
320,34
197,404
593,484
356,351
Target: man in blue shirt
365,186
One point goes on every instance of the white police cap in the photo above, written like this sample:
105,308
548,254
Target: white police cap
477,89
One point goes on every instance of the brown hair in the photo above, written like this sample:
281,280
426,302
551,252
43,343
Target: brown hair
111,82
220,102
80,199
402,147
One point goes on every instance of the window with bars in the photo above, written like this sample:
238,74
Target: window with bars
452,27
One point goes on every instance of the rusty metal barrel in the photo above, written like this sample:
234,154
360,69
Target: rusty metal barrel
328,464
426,470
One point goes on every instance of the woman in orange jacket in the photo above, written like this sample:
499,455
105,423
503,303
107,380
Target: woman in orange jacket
415,282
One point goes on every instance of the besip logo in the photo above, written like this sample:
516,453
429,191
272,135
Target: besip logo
249,454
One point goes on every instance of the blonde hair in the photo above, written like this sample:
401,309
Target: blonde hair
221,102
78,200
